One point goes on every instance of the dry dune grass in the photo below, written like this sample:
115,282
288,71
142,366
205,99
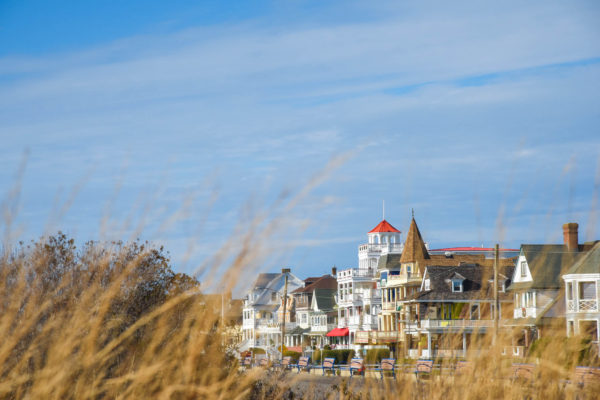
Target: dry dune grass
76,327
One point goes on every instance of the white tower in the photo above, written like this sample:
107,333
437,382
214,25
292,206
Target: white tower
383,239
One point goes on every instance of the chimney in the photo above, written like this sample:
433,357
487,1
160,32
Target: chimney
333,272
570,236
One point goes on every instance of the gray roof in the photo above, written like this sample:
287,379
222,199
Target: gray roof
389,262
547,263
589,263
263,279
325,299
440,281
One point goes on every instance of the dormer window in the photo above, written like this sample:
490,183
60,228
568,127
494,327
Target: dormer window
523,269
457,285
427,284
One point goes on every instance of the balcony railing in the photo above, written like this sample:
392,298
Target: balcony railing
456,323
356,273
385,247
582,305
402,279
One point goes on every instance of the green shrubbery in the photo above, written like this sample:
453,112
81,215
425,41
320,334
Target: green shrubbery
294,354
374,356
341,356
257,350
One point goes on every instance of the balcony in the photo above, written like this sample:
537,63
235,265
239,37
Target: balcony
354,273
456,323
525,312
381,248
584,305
403,279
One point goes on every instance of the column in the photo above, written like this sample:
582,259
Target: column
429,344
464,337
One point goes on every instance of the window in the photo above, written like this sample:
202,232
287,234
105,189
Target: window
523,269
428,285
457,285
587,290
273,296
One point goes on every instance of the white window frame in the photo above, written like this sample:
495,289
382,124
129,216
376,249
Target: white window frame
460,288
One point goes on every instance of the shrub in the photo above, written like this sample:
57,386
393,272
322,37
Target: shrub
374,356
294,354
257,350
341,356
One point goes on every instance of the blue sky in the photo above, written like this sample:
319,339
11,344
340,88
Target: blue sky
177,122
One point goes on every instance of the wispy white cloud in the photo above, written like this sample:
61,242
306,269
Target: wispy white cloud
438,99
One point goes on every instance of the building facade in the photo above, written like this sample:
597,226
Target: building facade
358,293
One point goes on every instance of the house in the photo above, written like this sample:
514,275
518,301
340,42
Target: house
314,304
582,288
263,311
358,294
538,287
453,304
398,316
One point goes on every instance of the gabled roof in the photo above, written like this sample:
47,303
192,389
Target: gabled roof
384,226
547,263
589,263
389,262
440,280
414,246
263,279
325,299
323,282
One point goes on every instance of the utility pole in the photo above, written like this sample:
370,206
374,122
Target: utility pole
496,302
285,271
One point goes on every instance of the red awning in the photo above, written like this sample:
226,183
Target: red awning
338,332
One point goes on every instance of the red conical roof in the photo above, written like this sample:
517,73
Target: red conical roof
384,226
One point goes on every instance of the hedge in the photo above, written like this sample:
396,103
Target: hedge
341,356
257,350
294,354
374,356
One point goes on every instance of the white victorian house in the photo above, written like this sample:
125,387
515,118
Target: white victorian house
537,284
262,315
582,292
358,294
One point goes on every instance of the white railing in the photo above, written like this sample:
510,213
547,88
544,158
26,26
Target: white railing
457,323
583,305
356,272
394,280
588,305
386,247
525,312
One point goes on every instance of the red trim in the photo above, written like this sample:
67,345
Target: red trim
472,249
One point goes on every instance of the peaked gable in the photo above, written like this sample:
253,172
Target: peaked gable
545,264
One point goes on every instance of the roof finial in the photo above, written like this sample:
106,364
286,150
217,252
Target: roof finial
413,212
383,206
